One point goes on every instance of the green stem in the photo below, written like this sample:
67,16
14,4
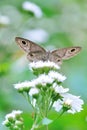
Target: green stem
46,107
51,106
47,99
30,101
27,98
35,123
46,127
59,115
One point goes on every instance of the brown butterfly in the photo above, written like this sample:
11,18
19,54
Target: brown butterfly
36,52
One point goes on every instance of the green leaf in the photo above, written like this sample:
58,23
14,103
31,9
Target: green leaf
46,121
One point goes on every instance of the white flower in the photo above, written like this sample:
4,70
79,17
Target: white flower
18,123
33,91
73,102
37,35
17,112
5,122
41,64
26,84
10,115
43,79
68,102
13,114
57,105
29,6
76,102
57,76
4,20
60,89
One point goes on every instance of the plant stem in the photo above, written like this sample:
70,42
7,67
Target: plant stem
46,127
28,99
60,115
35,123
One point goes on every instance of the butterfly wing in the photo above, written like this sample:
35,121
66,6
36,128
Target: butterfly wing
65,53
55,58
34,51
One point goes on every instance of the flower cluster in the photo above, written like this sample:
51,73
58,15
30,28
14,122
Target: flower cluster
14,120
44,93
48,86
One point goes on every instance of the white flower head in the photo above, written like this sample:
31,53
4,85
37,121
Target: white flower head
11,118
13,114
57,76
43,79
33,91
17,112
24,85
37,35
10,115
4,20
41,64
57,105
74,103
18,123
68,102
5,122
29,6
60,89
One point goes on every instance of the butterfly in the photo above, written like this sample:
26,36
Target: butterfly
35,52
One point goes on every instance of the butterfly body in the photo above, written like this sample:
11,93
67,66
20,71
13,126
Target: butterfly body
36,52
40,56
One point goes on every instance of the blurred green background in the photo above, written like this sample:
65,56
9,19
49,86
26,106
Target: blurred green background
53,24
